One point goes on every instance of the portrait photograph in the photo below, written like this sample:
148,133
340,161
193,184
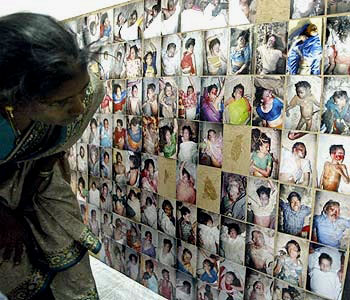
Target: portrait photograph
134,134
133,236
168,95
284,291
262,202
325,271
241,47
306,8
259,250
133,59
295,205
106,163
119,131
298,158
189,98
211,144
303,103
151,57
166,250
150,97
118,96
150,138
208,230
106,61
332,162
268,101
335,117
133,205
205,290
336,52
216,49
171,54
186,222
119,199
166,281
149,172
242,12
117,57
94,132
186,258
192,58
121,229
208,267
171,10
238,97
149,202
186,181
149,238
305,47
106,126
148,273
258,286
107,225
105,187
94,161
133,168
106,26
338,6
94,192
232,240
84,212
118,257
119,166
134,100
265,152
168,132
186,288
331,220
167,216
132,264
82,157
271,48
106,105
82,186
187,141
291,255
152,19
94,221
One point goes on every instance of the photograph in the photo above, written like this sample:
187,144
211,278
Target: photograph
211,144
231,280
149,202
338,6
148,273
216,50
189,98
259,250
119,96
106,105
117,57
186,258
208,267
151,57
119,166
150,97
271,48
149,172
186,222
331,221
258,286
107,225
171,54
291,256
241,47
94,132
166,250
335,117
121,227
168,130
305,46
192,58
150,139
119,200
265,152
166,216
82,187
268,101
106,163
132,264
105,188
149,238
105,125
238,96
336,52
208,230
187,141
133,59
306,8
185,287
232,240
94,223
152,19
166,281
242,12
284,291
134,134
298,158
262,202
133,236
295,210
168,95
82,159
325,271
94,192
134,102
119,132
206,291
94,161
186,177
171,10
132,204
303,103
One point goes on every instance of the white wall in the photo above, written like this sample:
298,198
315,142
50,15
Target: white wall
59,9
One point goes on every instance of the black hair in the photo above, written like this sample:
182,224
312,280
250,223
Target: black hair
134,13
238,86
39,54
156,7
189,42
167,241
293,194
171,45
135,49
149,264
134,121
263,190
213,42
131,256
149,200
165,271
118,188
148,232
212,86
203,218
134,86
297,144
116,86
82,181
151,86
244,34
93,121
296,244
303,84
211,130
334,148
148,162
189,129
132,192
187,251
233,226
135,161
120,121
325,256
207,261
184,210
167,203
340,94
105,154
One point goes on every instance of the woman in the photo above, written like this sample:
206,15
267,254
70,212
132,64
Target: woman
289,266
189,101
169,140
188,61
133,63
216,60
230,283
240,55
149,176
210,275
261,160
48,73
185,190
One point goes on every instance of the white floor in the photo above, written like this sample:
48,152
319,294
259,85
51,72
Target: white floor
112,285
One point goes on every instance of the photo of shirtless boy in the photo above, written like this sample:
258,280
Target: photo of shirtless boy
334,170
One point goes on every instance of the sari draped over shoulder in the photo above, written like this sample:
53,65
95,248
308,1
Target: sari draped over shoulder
50,210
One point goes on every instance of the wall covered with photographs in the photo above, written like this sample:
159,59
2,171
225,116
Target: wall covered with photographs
217,165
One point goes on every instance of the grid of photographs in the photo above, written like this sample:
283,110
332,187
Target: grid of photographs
217,165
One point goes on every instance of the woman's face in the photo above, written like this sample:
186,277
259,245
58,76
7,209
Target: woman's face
135,92
168,211
80,187
187,258
229,279
186,135
212,136
238,94
206,267
233,192
93,127
185,177
216,49
265,148
105,190
150,169
168,91
233,233
93,156
191,48
213,93
241,41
